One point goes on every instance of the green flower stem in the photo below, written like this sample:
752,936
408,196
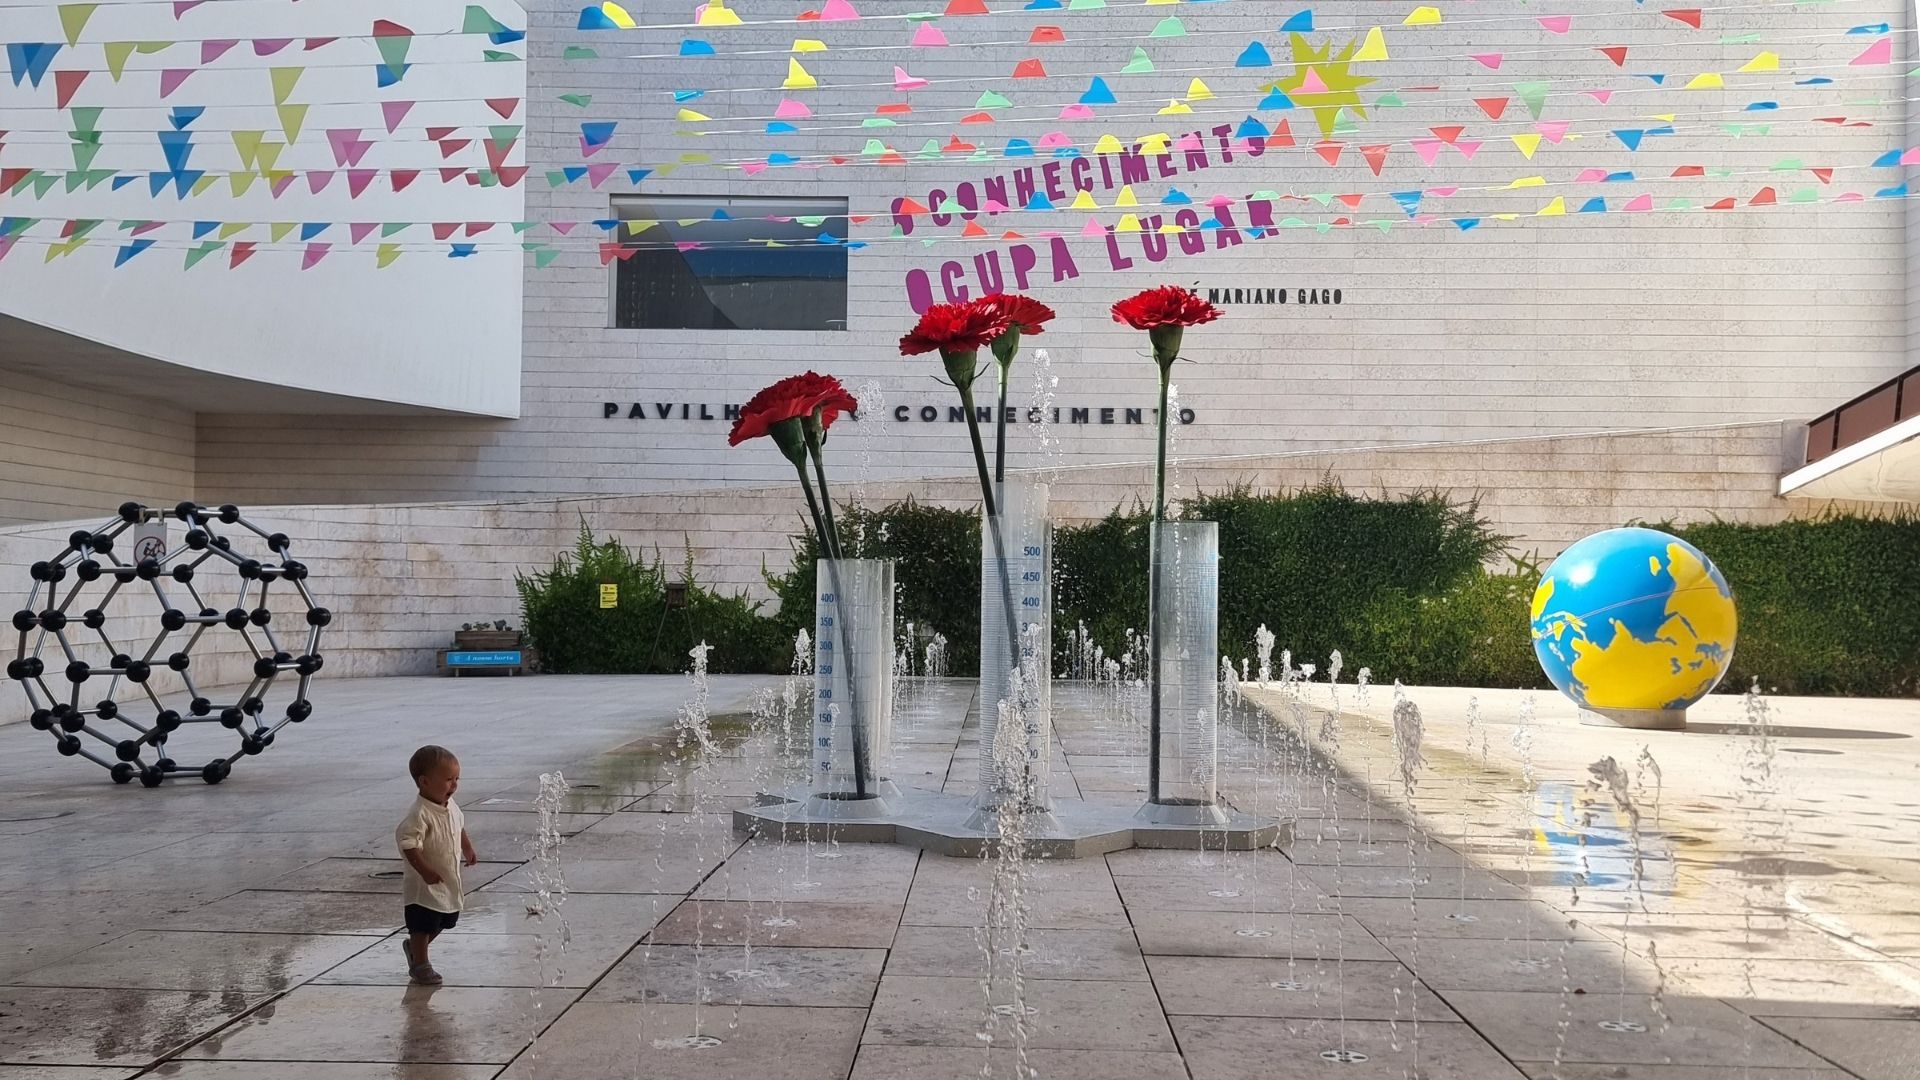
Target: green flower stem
830,549
993,525
1000,432
1153,591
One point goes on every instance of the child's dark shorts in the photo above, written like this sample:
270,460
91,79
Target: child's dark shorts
425,920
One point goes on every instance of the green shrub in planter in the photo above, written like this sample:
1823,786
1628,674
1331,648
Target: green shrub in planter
574,634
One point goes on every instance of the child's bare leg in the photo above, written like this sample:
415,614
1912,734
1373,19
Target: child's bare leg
417,948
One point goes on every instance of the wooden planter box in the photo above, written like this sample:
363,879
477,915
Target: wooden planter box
486,640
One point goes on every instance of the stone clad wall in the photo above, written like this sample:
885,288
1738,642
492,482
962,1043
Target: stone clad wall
65,450
402,577
1596,322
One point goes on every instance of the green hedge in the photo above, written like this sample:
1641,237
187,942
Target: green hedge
574,635
937,577
1400,585
1828,605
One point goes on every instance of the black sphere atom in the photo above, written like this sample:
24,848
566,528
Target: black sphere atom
121,619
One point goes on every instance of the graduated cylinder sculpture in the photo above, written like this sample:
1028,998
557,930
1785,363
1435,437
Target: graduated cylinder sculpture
1016,643
1188,607
853,676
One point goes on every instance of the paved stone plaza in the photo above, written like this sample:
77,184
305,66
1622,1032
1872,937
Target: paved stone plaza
1488,925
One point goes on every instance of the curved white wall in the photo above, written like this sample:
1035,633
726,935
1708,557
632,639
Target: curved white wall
438,332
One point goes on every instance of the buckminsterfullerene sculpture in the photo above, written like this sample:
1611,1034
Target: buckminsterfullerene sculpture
1183,601
1016,547
853,608
133,613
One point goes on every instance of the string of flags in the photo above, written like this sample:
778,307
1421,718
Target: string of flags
73,235
906,208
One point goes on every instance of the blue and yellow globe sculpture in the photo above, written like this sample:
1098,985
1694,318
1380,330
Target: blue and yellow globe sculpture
1634,625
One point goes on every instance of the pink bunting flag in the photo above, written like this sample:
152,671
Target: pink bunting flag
171,78
359,229
1189,141
562,227
1639,203
1553,130
357,181
1490,61
789,109
598,172
1428,149
1093,228
313,255
1312,83
214,48
1601,96
687,245
1447,192
904,81
181,7
269,46
394,112
1219,201
928,36
317,180
1845,196
1053,140
1556,24
280,184
1590,176
1880,52
838,11
1910,157
1077,112
1468,148
348,146
753,168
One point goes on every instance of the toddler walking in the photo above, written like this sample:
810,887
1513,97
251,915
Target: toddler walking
433,840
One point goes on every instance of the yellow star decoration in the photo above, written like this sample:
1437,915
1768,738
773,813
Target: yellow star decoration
1343,87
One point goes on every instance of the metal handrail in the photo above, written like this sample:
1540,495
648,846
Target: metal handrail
1892,401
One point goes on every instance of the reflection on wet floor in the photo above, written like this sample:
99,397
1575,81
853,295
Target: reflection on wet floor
1580,903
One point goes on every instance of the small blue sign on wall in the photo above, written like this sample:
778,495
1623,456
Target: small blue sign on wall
500,658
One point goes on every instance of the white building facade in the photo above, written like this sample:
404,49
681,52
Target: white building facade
1585,266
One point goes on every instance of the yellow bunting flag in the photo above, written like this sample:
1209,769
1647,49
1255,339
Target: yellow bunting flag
1527,143
690,116
1374,47
1198,91
1527,181
1556,208
1766,61
1108,145
718,14
1423,16
807,45
1708,81
1126,197
1175,107
1129,223
797,77
1084,201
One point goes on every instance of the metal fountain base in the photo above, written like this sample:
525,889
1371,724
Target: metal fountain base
953,825
1642,719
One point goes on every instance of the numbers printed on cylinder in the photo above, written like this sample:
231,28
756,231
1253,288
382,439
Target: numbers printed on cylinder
1033,552
826,669
826,598
1030,575
826,620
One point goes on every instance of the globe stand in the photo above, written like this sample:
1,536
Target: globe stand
1638,719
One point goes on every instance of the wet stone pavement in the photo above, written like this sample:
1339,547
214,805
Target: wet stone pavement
1741,906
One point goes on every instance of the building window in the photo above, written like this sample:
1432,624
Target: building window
734,280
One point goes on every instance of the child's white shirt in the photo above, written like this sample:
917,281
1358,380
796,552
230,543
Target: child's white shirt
434,831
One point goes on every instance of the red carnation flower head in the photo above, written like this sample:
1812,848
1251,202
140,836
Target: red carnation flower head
1023,315
1164,313
957,331
784,409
